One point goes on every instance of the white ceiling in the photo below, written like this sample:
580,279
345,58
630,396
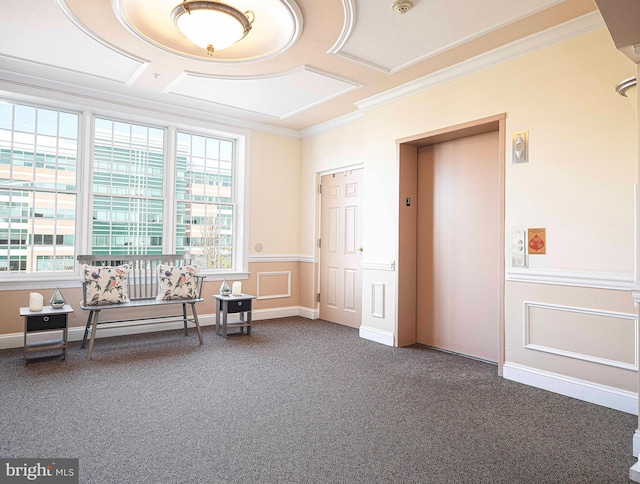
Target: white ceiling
430,28
335,55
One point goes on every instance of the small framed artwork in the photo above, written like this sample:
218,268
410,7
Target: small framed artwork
537,241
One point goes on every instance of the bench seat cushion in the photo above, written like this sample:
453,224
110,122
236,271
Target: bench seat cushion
106,284
177,282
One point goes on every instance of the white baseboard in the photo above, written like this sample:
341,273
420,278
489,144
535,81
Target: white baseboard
16,340
606,396
309,313
634,472
284,312
377,335
636,443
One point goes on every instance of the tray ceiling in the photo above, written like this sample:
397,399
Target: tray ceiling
330,56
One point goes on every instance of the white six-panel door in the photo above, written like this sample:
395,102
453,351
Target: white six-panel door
340,249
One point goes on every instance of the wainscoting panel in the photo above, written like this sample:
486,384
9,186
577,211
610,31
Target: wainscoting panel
273,285
604,337
574,339
377,300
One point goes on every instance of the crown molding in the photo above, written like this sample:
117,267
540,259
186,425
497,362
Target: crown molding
332,124
527,45
34,89
574,28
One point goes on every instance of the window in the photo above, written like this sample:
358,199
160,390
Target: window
49,264
38,158
128,164
205,199
54,205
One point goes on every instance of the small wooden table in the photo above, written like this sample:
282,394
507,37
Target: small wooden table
233,305
48,320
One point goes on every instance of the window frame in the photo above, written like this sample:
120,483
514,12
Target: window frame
84,193
234,196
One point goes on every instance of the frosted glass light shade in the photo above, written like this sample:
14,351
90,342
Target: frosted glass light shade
211,25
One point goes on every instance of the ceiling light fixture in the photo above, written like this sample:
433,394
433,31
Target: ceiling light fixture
628,89
212,25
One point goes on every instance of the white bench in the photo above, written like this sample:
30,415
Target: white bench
143,286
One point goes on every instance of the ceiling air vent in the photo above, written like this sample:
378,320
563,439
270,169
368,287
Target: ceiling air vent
402,6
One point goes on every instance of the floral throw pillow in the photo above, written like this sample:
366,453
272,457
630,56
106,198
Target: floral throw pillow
175,282
106,284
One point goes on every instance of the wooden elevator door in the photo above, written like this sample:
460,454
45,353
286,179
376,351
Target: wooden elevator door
458,246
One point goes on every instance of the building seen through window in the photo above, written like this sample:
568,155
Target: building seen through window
38,172
130,164
204,192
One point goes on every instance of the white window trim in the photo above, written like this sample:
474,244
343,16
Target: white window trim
172,123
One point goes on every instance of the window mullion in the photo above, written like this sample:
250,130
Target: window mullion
169,189
84,201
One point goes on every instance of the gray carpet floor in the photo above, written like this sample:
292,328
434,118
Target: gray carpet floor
299,401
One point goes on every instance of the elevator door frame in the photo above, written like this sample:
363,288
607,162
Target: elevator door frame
406,320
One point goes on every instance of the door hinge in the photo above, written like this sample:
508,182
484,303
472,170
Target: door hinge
319,243
318,297
320,189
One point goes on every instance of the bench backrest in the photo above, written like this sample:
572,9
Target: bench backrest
143,274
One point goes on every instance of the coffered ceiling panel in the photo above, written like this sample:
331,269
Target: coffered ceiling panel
45,36
278,96
427,29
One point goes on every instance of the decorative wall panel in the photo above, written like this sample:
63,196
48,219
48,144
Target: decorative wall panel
272,285
377,300
605,337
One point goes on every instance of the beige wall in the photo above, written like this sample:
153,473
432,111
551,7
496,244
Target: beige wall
273,279
274,195
274,214
578,185
332,150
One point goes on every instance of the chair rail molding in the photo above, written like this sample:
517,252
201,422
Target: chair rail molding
617,281
281,258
